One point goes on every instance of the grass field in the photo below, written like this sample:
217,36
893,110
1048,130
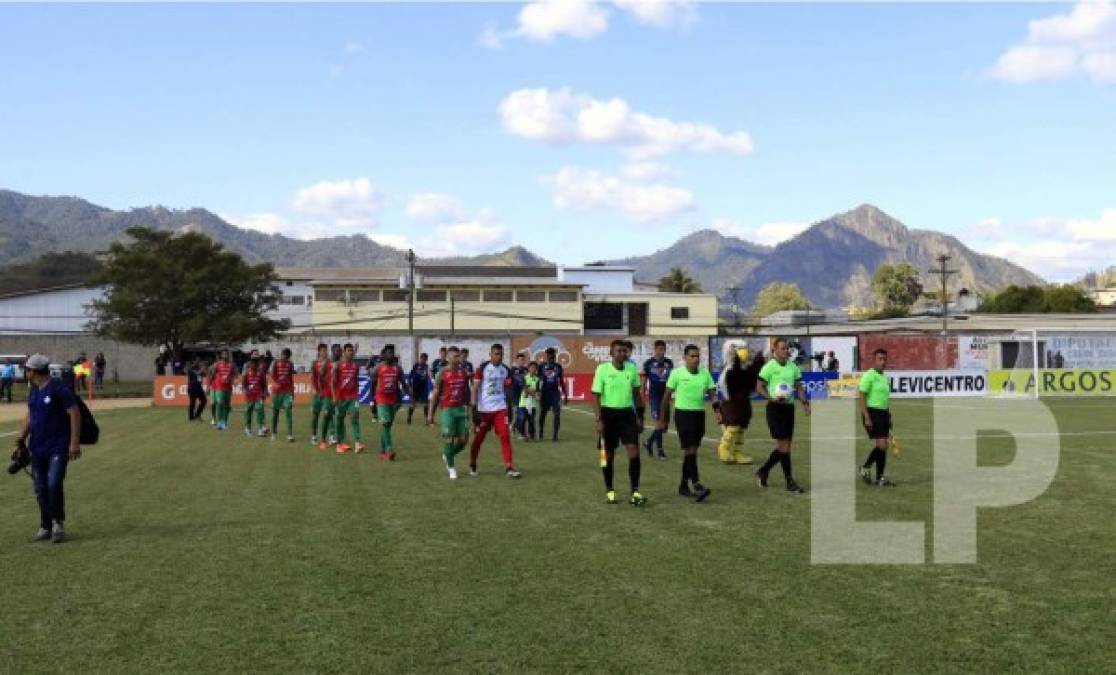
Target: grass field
191,549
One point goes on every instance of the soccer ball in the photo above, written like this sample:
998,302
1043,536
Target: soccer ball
782,391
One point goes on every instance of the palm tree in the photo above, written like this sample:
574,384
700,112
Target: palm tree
678,281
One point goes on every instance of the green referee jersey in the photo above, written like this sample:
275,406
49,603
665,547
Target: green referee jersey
615,386
876,389
773,374
689,388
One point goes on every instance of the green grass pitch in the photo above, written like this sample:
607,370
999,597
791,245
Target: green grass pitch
194,550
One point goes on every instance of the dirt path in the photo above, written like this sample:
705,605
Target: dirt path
16,411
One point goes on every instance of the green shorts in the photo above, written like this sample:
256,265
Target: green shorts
345,406
221,397
282,401
386,413
320,404
455,422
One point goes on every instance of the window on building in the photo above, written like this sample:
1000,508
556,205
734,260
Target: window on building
604,316
466,296
328,295
424,295
298,300
290,283
497,296
364,296
563,296
395,295
530,296
680,312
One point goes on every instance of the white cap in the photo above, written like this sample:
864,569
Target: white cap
39,362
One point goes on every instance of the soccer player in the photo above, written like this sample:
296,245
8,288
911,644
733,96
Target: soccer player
552,392
734,411
615,392
778,379
528,402
656,370
451,394
438,364
224,374
253,381
875,397
490,401
346,392
263,366
518,377
686,389
322,401
419,382
466,363
282,377
386,397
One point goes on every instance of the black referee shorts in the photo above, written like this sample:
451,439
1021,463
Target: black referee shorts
780,421
881,423
690,425
620,427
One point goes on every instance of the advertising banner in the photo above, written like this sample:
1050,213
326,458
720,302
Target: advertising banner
920,384
1081,350
972,352
580,355
1077,382
817,384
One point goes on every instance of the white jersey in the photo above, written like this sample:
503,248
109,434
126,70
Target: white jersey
491,382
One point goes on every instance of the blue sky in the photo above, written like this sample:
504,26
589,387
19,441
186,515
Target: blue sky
581,130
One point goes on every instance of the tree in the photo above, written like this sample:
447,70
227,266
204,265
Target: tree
173,290
779,296
896,288
1067,299
678,281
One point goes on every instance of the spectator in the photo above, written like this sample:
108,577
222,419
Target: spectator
196,389
68,376
833,365
7,379
53,424
160,364
99,364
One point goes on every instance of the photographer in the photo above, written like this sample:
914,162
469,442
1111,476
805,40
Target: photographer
53,423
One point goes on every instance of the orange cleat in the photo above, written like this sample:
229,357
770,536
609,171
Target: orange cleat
323,446
342,448
384,456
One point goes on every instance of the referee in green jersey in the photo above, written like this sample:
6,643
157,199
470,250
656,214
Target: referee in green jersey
615,399
875,398
687,388
779,380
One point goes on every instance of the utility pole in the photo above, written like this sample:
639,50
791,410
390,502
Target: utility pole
453,317
944,273
411,293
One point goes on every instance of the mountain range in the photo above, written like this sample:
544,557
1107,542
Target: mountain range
832,261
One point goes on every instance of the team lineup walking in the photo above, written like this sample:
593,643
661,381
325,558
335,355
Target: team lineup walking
514,402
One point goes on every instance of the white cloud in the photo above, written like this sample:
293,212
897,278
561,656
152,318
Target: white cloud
643,171
562,116
434,207
767,234
1082,41
661,13
1057,249
347,204
581,189
545,20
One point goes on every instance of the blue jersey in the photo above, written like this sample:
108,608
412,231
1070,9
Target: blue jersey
419,378
518,377
657,371
551,379
467,366
48,408
435,367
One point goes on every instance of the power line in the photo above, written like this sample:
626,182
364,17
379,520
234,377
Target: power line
944,274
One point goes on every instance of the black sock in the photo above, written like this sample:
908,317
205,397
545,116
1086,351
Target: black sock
607,471
687,470
871,457
785,460
772,460
633,473
694,469
881,462
410,414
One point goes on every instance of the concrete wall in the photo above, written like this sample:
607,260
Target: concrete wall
125,362
910,352
61,311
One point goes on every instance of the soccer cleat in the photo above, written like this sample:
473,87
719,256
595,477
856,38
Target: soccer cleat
383,456
452,473
314,439
866,475
359,447
684,491
333,439
323,446
391,456
761,478
248,433
510,472
742,459
272,437
795,488
650,450
637,499
43,534
262,433
212,422
662,456
290,439
884,482
473,470
610,497
342,448
701,493
57,533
